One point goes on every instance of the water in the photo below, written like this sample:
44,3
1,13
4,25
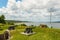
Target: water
55,25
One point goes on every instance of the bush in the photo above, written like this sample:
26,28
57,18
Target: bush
23,25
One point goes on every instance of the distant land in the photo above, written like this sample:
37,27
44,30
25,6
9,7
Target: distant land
56,22
16,21
27,21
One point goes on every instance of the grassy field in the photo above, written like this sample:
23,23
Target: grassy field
41,34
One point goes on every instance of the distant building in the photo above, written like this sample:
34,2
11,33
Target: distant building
43,26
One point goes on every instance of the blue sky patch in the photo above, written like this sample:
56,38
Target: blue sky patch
3,3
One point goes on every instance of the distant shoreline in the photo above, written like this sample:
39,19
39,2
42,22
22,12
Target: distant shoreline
30,21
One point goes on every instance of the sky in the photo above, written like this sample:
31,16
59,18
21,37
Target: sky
30,10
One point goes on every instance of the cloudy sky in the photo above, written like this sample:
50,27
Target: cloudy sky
30,10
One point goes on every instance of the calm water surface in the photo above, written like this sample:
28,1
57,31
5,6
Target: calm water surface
55,25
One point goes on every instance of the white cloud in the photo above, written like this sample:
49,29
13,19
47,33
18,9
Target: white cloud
35,10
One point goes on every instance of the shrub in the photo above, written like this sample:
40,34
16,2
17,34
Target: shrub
23,25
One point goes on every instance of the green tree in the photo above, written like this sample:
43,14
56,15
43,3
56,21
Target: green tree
2,19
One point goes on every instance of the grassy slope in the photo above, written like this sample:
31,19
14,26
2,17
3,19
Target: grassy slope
41,34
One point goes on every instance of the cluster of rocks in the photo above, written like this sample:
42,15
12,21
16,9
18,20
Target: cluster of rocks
5,35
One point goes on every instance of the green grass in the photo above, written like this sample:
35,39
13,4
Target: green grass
41,34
